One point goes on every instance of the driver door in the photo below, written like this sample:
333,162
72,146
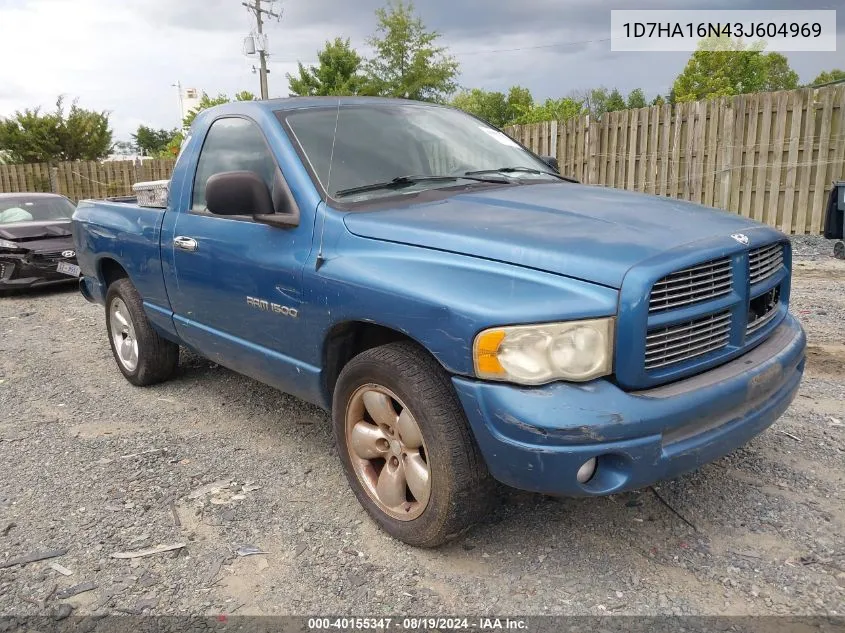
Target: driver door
237,297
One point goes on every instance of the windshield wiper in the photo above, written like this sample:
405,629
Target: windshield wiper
406,181
525,170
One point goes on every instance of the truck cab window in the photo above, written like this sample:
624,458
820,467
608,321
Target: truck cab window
232,144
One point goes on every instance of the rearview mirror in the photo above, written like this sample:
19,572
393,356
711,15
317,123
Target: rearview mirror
238,193
551,161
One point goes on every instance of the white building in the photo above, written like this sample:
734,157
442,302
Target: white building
189,100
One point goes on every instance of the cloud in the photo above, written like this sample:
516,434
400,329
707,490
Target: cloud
124,56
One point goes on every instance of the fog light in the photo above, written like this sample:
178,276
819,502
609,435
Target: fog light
587,470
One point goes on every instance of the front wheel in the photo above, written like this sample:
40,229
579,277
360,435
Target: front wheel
142,355
406,447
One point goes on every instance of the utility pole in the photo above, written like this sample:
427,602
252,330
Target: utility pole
260,12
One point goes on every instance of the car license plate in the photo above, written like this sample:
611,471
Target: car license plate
68,269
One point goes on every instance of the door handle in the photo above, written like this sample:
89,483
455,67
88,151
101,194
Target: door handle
185,243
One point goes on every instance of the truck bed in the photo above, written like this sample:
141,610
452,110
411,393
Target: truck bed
118,232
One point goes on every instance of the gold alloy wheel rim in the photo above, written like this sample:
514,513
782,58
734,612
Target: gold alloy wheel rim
388,452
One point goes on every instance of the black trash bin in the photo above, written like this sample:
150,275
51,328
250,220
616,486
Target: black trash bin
834,224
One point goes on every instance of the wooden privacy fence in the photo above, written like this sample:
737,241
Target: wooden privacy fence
768,156
83,179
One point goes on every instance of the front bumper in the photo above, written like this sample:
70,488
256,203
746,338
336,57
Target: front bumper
23,272
536,438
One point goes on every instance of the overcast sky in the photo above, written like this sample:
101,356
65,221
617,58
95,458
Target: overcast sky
123,55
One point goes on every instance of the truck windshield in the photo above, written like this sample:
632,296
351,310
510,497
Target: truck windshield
359,152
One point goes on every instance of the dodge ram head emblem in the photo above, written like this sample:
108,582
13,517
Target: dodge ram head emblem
68,253
739,237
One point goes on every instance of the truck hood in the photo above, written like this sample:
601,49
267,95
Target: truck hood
587,232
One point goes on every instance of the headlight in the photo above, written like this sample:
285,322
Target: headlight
536,354
8,244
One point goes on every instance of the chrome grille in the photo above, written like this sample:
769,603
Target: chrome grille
684,341
692,285
755,325
764,262
761,310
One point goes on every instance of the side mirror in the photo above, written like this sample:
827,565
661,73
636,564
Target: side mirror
238,193
245,193
551,161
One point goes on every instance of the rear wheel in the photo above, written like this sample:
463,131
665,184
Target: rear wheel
406,447
141,354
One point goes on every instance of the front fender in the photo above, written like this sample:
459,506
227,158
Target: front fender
442,300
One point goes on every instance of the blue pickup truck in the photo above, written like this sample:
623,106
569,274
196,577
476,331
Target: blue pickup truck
467,314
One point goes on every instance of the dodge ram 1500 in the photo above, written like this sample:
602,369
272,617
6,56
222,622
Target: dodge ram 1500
467,314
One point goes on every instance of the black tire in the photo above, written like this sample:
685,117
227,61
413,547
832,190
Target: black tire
461,487
158,358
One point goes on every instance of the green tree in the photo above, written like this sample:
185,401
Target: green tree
724,67
778,74
30,137
593,100
175,145
490,106
407,61
338,72
245,95
151,142
75,134
827,76
520,102
553,110
636,99
209,102
205,103
496,108
615,101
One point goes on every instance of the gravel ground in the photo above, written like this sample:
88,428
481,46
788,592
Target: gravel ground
216,462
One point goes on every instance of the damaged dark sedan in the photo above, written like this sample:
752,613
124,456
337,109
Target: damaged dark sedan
36,243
